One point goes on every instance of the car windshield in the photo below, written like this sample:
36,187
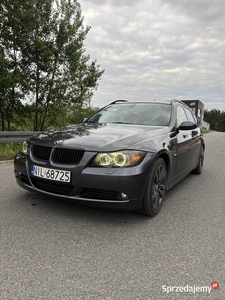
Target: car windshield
154,114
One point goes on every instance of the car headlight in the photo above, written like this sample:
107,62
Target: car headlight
24,148
118,159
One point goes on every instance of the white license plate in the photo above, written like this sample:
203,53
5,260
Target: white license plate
51,174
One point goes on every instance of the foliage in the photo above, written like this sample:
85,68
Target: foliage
76,115
44,70
206,131
23,119
23,122
8,151
216,118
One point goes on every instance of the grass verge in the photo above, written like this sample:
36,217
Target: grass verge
8,151
206,131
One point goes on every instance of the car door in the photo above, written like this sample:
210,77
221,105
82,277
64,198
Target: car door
195,145
184,144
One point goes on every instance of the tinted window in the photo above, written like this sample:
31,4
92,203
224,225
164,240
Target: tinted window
153,114
181,117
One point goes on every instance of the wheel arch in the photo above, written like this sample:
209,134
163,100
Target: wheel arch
166,159
203,145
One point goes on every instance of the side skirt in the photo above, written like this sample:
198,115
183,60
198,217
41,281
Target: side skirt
173,181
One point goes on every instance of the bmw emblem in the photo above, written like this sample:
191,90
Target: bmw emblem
59,142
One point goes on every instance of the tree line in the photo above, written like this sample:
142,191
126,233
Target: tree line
216,119
45,76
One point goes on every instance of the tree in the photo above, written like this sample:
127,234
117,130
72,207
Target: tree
222,121
59,72
48,55
10,56
4,85
216,118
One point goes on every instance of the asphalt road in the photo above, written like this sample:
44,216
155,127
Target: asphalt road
52,249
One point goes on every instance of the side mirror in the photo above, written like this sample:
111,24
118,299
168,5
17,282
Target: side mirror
187,125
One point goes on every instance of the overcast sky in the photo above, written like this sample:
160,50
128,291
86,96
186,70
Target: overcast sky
158,49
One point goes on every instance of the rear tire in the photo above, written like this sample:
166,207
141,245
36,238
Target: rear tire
155,189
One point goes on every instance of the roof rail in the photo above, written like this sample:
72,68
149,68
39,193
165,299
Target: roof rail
118,101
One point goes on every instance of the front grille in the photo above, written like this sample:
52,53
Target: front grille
52,186
101,194
67,156
59,155
41,152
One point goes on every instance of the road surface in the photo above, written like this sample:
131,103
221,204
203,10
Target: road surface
52,249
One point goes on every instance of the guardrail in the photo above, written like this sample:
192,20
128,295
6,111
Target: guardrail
15,136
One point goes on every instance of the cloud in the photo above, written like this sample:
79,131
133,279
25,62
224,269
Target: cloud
202,10
115,3
158,49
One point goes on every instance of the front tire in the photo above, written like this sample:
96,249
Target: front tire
199,168
155,189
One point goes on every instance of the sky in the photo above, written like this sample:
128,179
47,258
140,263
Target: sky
157,49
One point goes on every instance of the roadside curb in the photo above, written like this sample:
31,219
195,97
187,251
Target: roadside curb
5,161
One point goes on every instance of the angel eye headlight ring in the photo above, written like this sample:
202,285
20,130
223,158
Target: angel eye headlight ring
120,159
105,159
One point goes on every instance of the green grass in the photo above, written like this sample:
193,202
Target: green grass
8,151
206,131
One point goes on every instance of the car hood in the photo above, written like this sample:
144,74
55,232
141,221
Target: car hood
101,137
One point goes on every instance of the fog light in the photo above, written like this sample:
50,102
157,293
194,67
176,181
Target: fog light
124,196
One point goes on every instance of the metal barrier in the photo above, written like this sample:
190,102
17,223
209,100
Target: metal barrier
15,136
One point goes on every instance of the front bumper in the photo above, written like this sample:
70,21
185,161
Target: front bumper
114,188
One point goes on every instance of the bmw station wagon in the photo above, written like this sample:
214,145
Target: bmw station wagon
125,156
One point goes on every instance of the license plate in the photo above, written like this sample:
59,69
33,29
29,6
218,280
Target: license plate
51,174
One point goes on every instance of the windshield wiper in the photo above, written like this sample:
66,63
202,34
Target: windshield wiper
90,122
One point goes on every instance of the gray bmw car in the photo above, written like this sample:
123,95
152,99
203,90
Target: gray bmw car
125,156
